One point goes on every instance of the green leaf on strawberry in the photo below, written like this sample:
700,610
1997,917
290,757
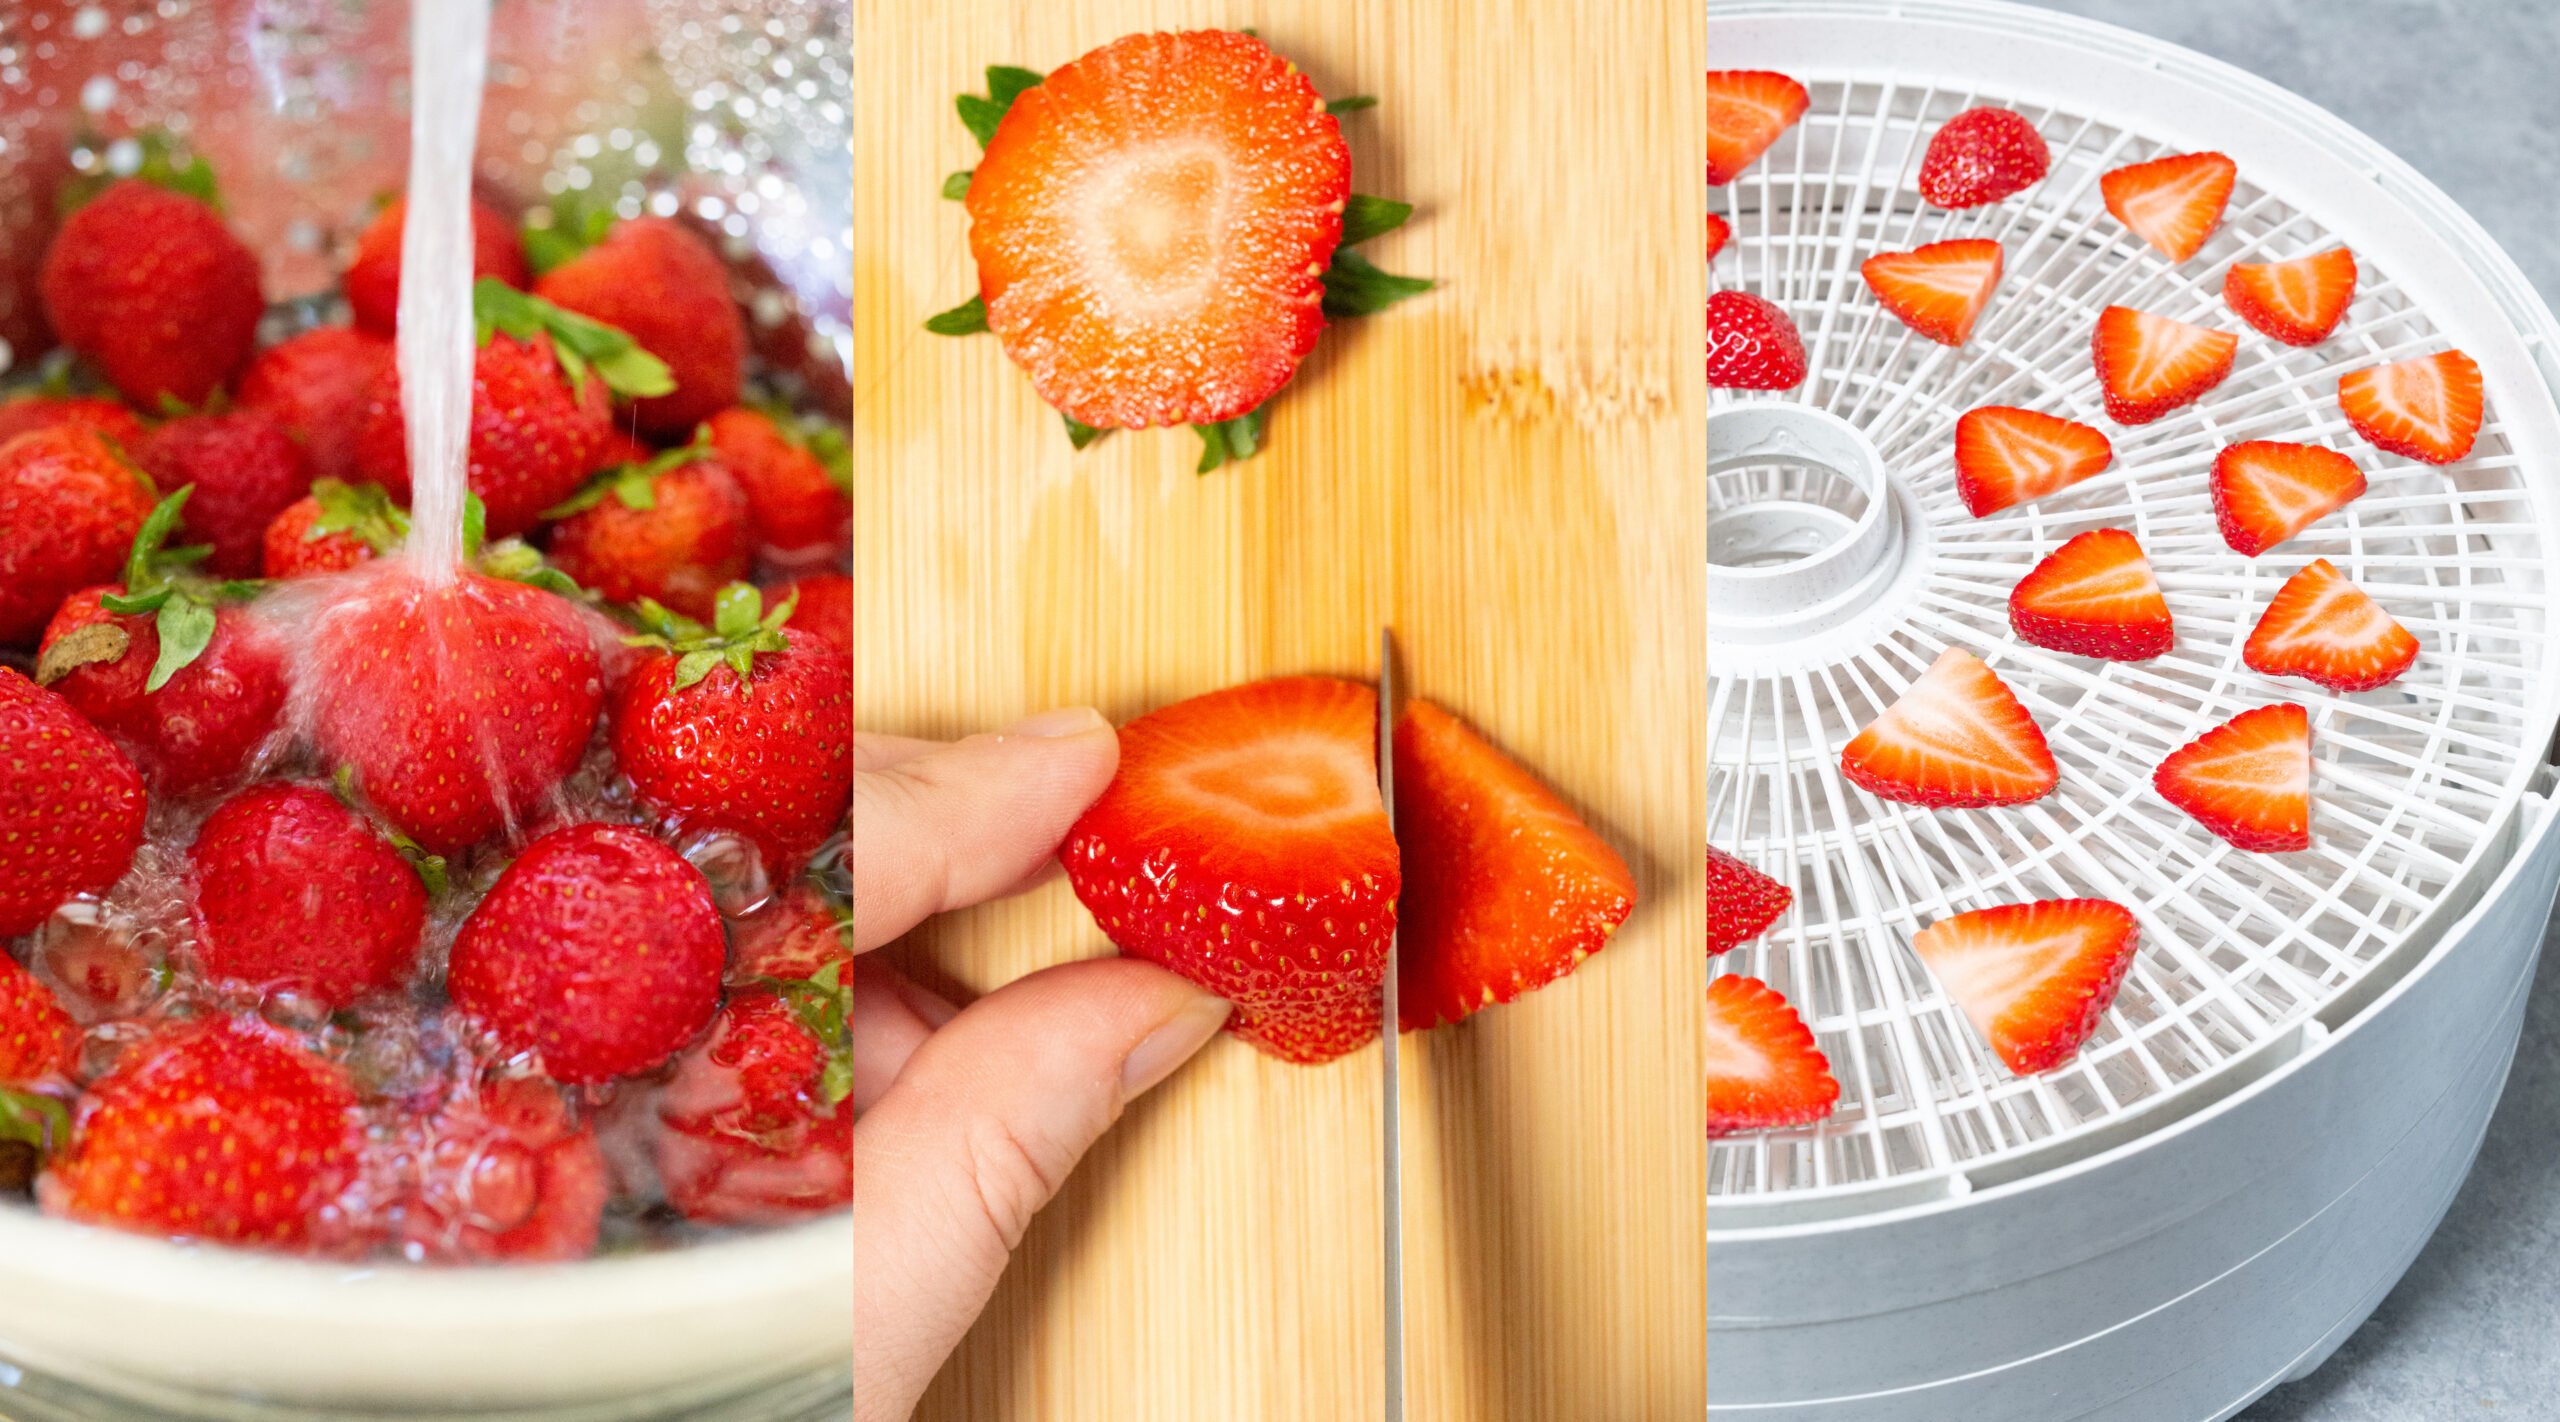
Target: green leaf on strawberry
1232,440
363,512
1354,286
159,583
155,158
956,186
33,1118
1364,217
981,113
1351,105
1079,434
969,318
823,1002
582,346
740,629
563,230
635,484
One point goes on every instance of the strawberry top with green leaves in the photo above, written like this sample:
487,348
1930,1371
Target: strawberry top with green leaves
151,287
244,470
655,279
72,803
373,279
70,506
1741,902
41,412
38,1040
1762,1068
315,385
798,478
332,529
755,1124
675,529
294,891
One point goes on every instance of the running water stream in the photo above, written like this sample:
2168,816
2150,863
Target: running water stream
449,58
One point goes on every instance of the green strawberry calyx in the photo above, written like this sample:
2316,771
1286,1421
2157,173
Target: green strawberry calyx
33,1118
161,583
363,512
823,1002
564,230
634,484
582,346
153,158
740,630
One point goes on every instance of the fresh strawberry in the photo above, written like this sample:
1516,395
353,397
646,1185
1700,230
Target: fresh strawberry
2173,203
1719,232
38,1040
619,448
2034,978
653,278
1956,739
798,479
296,892
1505,888
1981,156
316,386
2265,492
150,1139
1741,902
1747,110
2297,302
755,1125
2325,629
1244,845
824,608
72,803
332,529
2095,597
500,1171
2427,409
43,412
794,938
1763,1070
2150,365
2006,456
2248,779
373,277
1751,345
153,290
69,508
599,949
674,529
1938,290
456,706
1152,224
245,470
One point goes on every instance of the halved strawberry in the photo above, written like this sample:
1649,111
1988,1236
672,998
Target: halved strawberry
2006,456
2149,365
1505,888
1763,1070
1741,902
2033,978
2094,596
1746,111
1955,740
1938,290
2266,491
1751,345
1719,232
1981,156
2325,629
2173,203
2298,302
2427,409
1152,225
2248,779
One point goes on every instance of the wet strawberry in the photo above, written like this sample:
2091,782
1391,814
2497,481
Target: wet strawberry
70,800
796,938
332,529
825,607
797,478
69,508
44,412
675,529
294,891
245,469
500,1172
38,1040
315,385
655,279
755,1125
153,290
373,277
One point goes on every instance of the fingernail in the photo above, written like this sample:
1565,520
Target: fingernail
1172,1044
1056,725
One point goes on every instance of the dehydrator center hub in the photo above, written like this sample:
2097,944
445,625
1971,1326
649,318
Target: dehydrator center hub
1804,530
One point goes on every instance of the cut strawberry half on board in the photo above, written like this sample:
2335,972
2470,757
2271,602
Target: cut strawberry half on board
1747,109
2325,629
2006,456
2035,979
2150,365
1938,290
2248,779
1719,232
1244,845
1981,156
1751,345
1741,902
1505,888
1152,225
2094,596
1957,739
2299,302
2266,491
2427,409
2173,203
1763,1070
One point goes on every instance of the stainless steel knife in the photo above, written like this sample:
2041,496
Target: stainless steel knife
1391,1183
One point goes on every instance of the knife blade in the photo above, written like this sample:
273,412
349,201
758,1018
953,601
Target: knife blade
1391,1191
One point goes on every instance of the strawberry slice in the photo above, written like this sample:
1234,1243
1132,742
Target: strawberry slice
1763,1070
1746,111
1719,232
1505,888
1751,345
2006,456
2034,978
2095,597
1956,739
2173,203
1741,902
2299,302
2149,365
2427,409
2248,779
2325,629
1152,224
1981,156
2266,491
1938,290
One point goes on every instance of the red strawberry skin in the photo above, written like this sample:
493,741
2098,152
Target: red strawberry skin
748,1136
696,539
2428,409
71,802
316,386
503,1172
796,938
154,290
2266,808
1981,156
1763,1070
43,412
1741,902
825,609
771,759
2094,597
202,727
289,551
2314,480
2299,302
598,949
38,1040
1751,344
664,286
295,891
245,470
69,508
373,277
2136,393
533,435
2327,630
801,514
1719,232
2046,1025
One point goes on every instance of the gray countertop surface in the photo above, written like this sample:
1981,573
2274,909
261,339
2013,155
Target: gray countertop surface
2464,90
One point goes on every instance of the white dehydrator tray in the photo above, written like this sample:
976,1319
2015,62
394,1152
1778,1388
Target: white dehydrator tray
2301,1063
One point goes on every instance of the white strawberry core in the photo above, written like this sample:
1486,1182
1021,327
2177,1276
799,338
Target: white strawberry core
1731,1057
1147,228
1986,974
1300,782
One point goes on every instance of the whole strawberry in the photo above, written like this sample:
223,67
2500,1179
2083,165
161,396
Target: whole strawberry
244,468
43,412
746,726
71,802
315,385
373,277
69,508
824,609
755,1127
674,529
798,481
1751,344
668,289
599,950
332,529
496,1171
295,891
154,291
456,706
223,1130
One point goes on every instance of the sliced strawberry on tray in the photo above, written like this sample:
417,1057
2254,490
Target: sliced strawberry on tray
2006,456
2299,302
2035,979
2150,365
1741,902
2094,596
1981,156
2173,203
1719,232
2427,409
1763,1069
1957,739
2325,629
2266,491
1938,290
1747,110
2248,779
1751,345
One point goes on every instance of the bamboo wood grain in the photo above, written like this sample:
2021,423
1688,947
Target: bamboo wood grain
1508,473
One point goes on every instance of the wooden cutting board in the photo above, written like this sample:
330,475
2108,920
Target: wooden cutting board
1507,472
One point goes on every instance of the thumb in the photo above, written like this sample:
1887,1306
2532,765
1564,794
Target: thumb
977,1135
